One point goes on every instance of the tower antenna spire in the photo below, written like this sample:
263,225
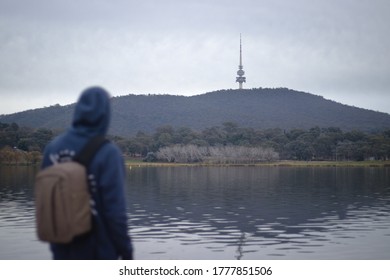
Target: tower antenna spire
240,79
240,51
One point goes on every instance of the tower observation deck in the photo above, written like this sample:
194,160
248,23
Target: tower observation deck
240,79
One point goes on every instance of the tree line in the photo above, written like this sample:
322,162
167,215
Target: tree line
22,145
226,143
297,144
219,154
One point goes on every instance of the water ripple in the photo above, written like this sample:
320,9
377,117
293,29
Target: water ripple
233,213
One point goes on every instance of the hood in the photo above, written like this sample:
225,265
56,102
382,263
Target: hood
92,113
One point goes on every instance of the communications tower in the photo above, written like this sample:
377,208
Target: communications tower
240,79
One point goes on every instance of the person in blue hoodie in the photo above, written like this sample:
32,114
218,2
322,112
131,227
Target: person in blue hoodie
109,237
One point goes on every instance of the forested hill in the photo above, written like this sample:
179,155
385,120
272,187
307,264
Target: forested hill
256,108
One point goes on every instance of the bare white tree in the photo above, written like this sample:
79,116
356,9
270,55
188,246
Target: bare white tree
218,154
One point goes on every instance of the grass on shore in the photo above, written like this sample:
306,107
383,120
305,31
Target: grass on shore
283,163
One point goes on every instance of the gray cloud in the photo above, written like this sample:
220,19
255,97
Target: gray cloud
51,50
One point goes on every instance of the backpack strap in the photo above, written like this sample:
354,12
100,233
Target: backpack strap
87,153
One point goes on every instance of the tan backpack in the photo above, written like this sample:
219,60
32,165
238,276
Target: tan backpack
62,197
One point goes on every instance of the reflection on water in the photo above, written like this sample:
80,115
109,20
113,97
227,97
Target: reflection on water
260,213
17,233
230,213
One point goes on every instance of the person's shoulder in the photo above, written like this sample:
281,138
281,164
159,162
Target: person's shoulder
111,149
55,143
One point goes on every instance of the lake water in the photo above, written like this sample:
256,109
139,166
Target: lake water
229,213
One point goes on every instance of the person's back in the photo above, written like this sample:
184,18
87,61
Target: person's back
109,238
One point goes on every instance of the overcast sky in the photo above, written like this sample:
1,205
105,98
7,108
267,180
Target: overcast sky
51,50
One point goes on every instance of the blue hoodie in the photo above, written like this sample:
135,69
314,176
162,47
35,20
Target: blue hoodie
109,238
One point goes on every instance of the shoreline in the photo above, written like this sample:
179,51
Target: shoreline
130,163
287,163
